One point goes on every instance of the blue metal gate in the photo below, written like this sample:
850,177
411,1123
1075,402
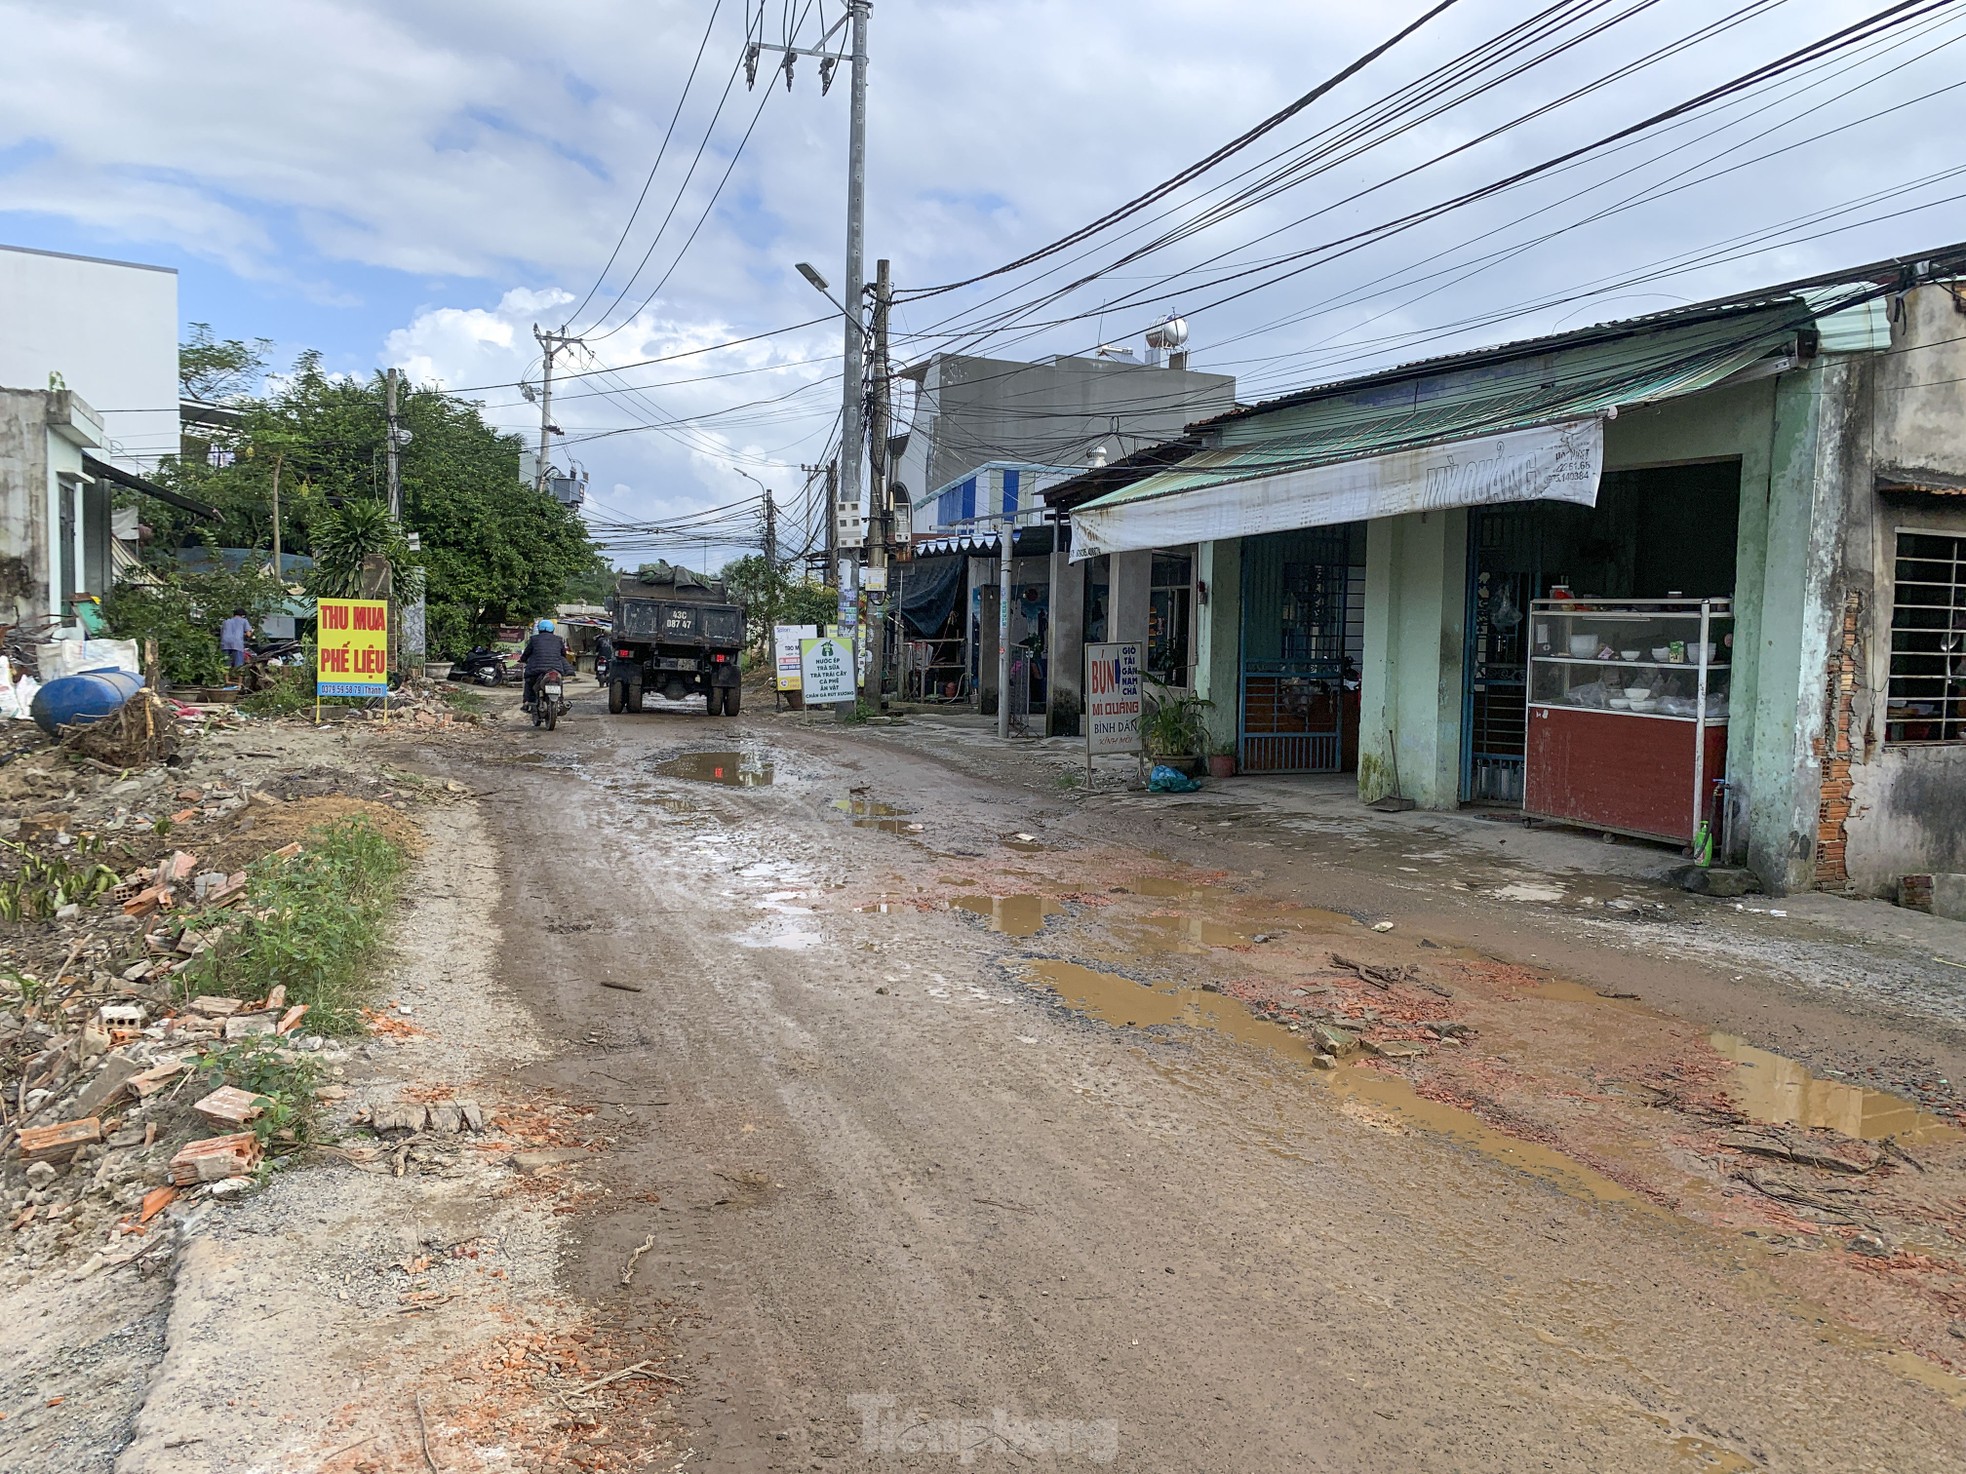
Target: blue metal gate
1504,574
1302,620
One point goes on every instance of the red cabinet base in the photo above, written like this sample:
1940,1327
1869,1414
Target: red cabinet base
1613,770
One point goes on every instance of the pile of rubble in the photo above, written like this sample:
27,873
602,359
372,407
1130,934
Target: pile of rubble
101,1115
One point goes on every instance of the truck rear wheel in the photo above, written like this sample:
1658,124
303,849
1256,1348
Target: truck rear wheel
732,696
713,702
635,696
617,697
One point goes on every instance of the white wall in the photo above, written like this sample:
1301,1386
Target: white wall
110,329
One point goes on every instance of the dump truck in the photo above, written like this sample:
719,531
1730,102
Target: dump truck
676,634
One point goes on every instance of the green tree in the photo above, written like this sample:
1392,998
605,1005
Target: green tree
346,539
494,551
770,596
216,371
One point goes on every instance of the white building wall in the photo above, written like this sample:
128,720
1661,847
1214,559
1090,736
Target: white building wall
109,329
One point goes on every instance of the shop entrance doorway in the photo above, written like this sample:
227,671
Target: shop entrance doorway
1655,531
1303,632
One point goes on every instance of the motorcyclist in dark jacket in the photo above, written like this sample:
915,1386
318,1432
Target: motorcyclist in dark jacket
544,651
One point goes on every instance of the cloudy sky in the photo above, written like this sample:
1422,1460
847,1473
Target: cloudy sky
419,185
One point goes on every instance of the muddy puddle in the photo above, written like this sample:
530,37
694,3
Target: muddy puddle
1182,934
732,768
1778,1091
1382,1100
1014,916
867,813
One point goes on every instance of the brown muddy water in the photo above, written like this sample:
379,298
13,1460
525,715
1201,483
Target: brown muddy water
1778,1091
731,768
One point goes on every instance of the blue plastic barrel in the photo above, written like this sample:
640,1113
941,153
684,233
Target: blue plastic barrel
85,697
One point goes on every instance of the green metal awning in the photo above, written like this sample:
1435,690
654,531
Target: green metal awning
1454,404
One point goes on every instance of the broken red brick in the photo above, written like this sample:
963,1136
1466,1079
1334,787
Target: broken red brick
230,1106
58,1143
215,1158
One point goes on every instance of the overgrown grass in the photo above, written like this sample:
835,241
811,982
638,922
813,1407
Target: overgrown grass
289,690
318,922
463,698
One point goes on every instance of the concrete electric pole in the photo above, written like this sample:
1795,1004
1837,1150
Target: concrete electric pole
880,515
847,532
549,345
395,447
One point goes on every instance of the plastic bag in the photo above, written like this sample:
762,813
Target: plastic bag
1164,779
25,690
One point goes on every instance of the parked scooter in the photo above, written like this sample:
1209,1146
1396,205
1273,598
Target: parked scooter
482,667
277,652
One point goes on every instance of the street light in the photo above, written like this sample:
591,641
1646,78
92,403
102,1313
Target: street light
819,285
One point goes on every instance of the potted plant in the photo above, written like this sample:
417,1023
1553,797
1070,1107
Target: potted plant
1222,761
1173,731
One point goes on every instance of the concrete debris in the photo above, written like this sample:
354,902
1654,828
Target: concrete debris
1395,1048
1338,1042
398,1116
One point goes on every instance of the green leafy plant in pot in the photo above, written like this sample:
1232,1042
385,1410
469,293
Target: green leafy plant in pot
1174,730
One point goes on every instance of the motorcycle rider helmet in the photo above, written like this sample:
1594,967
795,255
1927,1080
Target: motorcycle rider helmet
545,626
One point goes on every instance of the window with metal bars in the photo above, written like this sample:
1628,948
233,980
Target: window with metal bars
1926,697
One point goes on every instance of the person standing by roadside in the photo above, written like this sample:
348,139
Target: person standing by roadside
232,635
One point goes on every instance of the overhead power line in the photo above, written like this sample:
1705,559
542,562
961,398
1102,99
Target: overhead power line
1194,170
661,150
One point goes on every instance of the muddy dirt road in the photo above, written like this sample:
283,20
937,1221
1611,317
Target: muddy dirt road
963,1118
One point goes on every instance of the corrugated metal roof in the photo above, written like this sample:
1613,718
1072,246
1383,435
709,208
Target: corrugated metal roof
1456,403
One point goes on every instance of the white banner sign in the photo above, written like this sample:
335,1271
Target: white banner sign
1549,463
826,671
1112,698
785,640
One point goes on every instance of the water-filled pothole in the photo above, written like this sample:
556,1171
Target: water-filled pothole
732,768
1014,916
1779,1091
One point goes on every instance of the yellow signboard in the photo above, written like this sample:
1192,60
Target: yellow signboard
352,648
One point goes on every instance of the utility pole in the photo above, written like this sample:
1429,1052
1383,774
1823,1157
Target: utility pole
279,571
832,515
395,469
771,533
549,345
880,519
853,424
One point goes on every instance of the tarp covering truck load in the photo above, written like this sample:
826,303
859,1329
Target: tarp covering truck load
675,636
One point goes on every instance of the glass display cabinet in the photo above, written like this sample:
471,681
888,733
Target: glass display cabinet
1628,712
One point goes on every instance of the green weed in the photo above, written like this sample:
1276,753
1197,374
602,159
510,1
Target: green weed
289,690
315,923
288,1082
45,883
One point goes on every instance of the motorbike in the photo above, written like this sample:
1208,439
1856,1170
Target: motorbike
277,652
549,700
482,667
603,652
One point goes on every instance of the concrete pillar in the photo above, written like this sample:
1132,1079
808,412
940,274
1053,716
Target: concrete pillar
1218,638
1781,770
1067,644
986,670
1416,570
1127,601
